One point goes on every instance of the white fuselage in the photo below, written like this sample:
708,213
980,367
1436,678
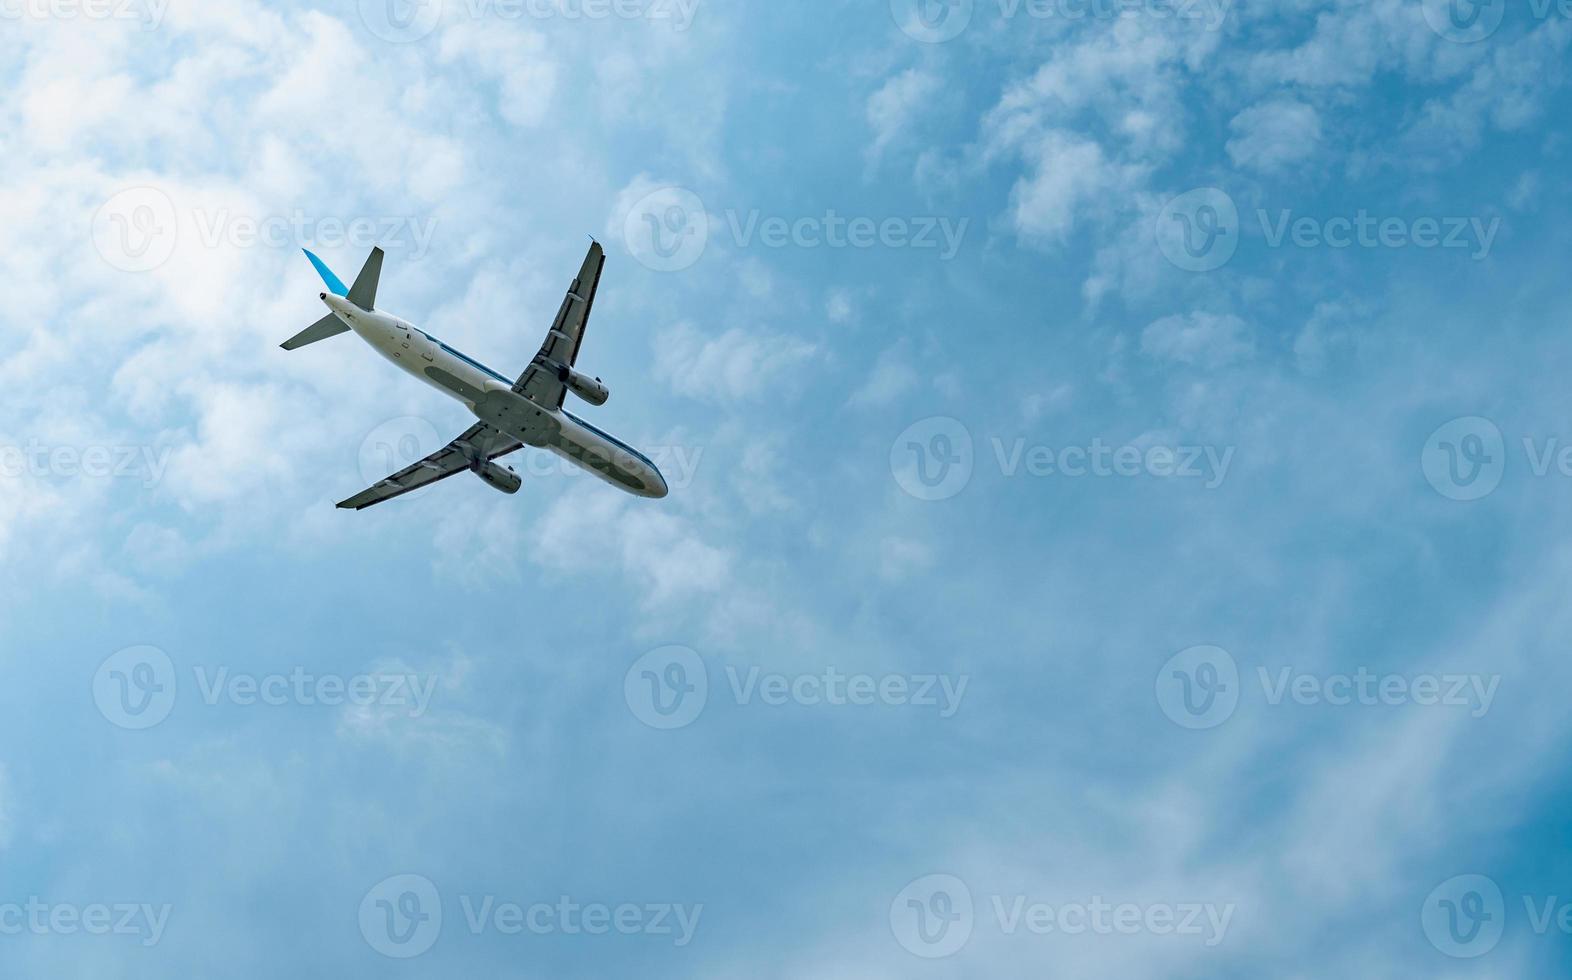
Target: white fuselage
492,398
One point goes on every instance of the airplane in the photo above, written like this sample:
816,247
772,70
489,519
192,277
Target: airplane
527,411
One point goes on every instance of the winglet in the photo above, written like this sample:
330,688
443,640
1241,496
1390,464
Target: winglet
333,282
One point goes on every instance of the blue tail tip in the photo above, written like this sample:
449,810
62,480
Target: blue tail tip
334,283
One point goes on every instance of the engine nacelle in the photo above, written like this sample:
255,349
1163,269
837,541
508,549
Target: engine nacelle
498,477
588,388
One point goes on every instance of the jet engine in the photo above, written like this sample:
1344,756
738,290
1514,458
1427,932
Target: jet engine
590,389
498,477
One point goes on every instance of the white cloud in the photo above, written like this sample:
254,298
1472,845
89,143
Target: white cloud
1352,41
839,308
735,365
1092,123
1507,90
519,60
1272,136
891,377
902,557
1203,340
1526,193
1324,334
1039,403
897,104
662,554
1069,175
760,477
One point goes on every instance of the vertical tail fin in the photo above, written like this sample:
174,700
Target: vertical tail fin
364,292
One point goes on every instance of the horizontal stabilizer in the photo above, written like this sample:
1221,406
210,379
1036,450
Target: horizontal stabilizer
328,326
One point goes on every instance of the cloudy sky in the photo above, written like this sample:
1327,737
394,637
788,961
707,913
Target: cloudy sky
1119,463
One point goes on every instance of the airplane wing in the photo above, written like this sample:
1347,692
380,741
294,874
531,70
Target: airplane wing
481,441
541,382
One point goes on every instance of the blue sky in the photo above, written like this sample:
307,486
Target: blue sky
1117,502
